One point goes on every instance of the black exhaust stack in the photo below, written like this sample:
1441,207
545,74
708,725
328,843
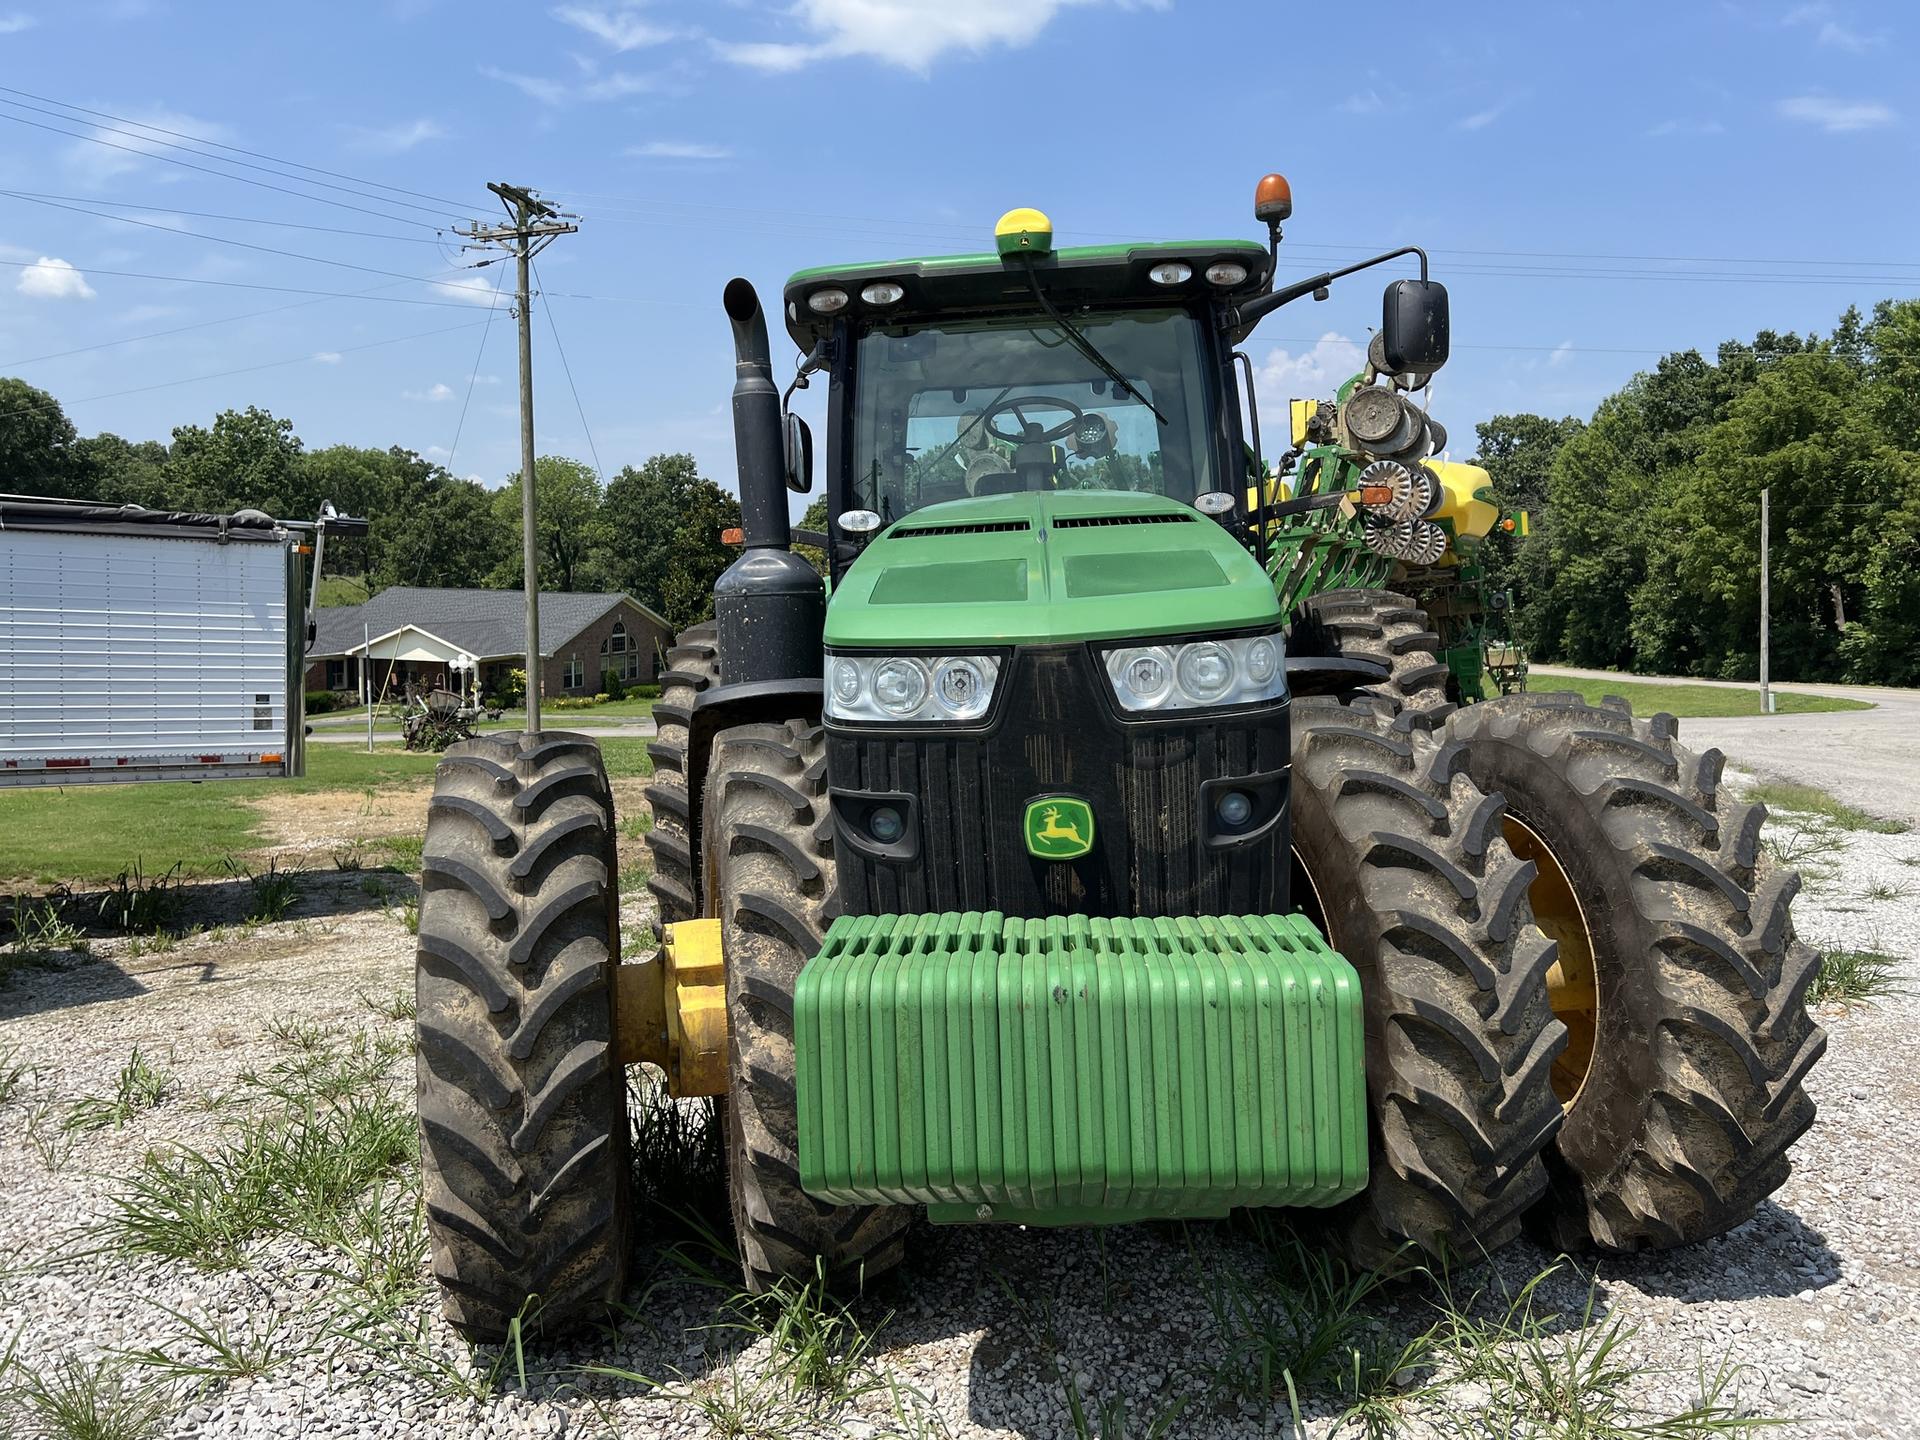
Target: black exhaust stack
770,605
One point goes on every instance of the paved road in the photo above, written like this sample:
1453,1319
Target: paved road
1869,758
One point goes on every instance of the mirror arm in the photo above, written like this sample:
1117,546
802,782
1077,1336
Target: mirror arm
1258,308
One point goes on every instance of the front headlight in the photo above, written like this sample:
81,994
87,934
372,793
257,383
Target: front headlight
897,688
1197,674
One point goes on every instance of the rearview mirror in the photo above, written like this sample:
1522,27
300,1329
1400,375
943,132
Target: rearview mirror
799,455
1414,326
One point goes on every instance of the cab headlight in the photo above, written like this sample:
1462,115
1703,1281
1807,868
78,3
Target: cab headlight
1198,674
952,689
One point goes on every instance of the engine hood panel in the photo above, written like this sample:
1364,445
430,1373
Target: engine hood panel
1048,567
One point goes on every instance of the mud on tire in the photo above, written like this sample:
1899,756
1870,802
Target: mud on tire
770,871
1379,625
1415,886
694,664
523,1120
1694,1089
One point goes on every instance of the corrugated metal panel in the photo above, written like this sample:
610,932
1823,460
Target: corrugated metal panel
134,651
1078,1068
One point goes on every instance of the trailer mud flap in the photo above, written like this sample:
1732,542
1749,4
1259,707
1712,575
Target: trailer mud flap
1078,1070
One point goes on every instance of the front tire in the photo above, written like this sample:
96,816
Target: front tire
1692,1037
673,839
1383,626
523,1118
769,862
1405,871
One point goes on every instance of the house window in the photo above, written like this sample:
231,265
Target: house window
336,674
575,677
620,652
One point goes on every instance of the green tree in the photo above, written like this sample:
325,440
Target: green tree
37,443
124,472
247,459
570,525
662,536
439,530
1517,452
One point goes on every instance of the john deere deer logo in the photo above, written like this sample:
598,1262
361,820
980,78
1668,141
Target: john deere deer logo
1059,827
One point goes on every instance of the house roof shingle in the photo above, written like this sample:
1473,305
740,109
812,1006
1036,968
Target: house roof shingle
484,623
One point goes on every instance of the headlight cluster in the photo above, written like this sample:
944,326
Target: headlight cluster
1198,674
910,687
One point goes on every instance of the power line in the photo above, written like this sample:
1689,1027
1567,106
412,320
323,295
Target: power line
473,376
357,189
455,206
238,370
236,219
291,289
229,240
222,174
598,468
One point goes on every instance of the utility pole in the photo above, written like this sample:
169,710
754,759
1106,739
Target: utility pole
1766,688
533,225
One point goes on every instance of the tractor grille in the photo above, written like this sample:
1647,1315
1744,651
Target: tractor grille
1056,733
978,527
1089,522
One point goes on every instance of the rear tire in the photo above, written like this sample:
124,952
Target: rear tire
523,1116
1679,1122
771,873
1404,862
1383,626
673,839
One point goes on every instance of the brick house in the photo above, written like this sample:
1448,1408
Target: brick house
468,640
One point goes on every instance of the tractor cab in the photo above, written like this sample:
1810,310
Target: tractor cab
1033,371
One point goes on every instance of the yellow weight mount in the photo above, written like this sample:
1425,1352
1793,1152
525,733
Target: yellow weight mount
673,1009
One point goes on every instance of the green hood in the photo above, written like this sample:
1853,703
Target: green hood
1040,568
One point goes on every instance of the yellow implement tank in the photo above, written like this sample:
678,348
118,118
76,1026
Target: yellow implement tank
1466,505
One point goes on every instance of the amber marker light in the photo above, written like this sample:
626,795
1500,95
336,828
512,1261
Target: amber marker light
1272,199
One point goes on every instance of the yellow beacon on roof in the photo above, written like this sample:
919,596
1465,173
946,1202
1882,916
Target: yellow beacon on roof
1023,231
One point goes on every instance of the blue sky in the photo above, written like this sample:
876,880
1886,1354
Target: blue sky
1599,184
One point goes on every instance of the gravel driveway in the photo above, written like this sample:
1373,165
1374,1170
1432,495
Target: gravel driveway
1869,758
988,1332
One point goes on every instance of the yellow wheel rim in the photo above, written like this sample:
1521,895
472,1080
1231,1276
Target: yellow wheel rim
1573,985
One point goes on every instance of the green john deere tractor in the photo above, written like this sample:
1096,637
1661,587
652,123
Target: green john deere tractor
1103,847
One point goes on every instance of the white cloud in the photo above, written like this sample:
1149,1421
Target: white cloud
50,279
398,139
617,25
615,85
472,288
440,452
678,150
435,393
483,379
1832,32
1362,102
1561,353
328,357
1837,117
13,24
117,149
908,33
1480,119
1668,128
1313,373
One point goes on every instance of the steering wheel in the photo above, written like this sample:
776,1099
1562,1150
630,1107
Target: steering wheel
1032,432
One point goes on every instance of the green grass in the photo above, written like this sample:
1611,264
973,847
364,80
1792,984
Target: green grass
90,834
1853,977
1685,701
1812,800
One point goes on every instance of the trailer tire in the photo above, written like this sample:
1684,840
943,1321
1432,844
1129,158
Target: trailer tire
1399,857
770,870
1679,1121
1384,626
673,839
522,1104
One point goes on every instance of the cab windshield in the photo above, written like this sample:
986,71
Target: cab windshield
953,409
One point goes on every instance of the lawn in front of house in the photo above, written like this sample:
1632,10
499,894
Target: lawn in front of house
90,833
1685,701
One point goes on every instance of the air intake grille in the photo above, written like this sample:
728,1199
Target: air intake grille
984,527
1088,522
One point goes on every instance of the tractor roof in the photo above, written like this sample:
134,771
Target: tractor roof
1088,274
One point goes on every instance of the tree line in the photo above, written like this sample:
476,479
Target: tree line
652,530
1645,551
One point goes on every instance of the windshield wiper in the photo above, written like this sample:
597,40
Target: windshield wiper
1084,345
